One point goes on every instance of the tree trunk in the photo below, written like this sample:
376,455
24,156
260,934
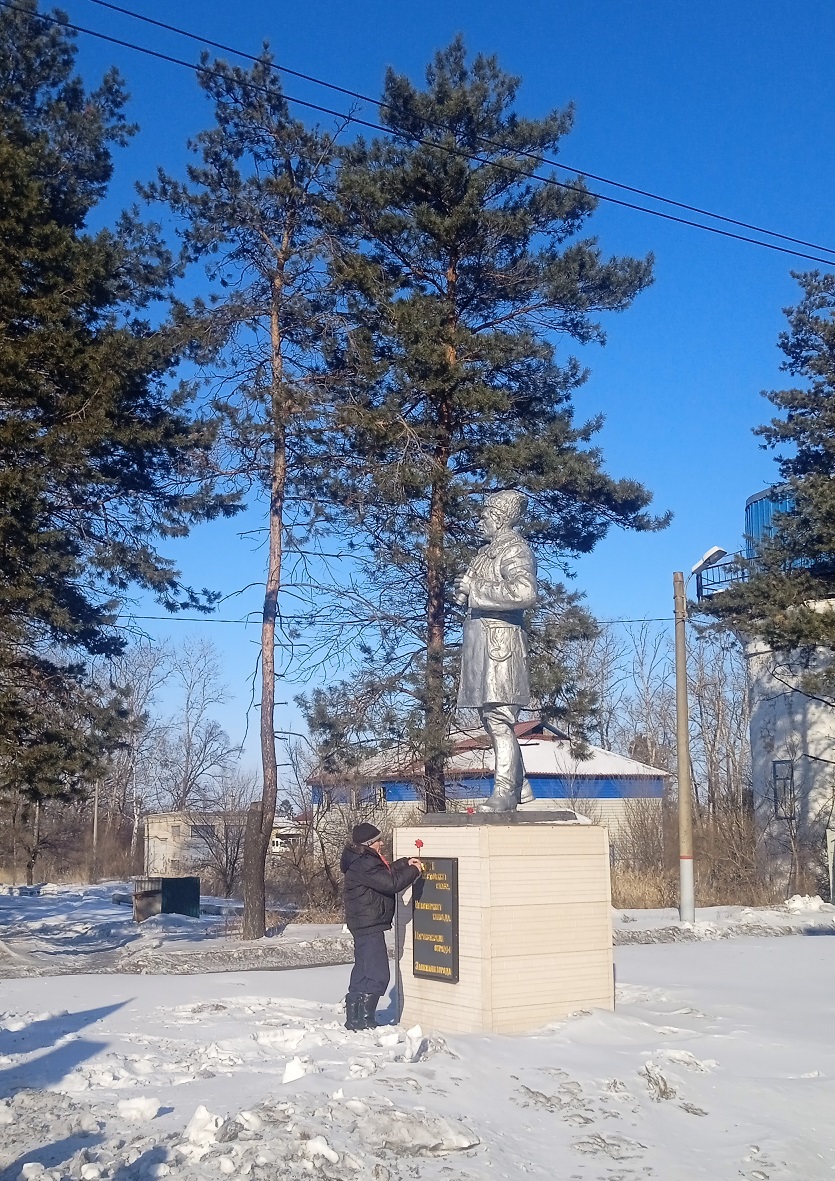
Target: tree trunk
15,842
435,719
435,726
333,882
94,867
134,834
35,847
257,836
254,893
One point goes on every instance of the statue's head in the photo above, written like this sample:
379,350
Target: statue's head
503,510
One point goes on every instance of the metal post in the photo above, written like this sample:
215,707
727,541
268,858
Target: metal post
687,900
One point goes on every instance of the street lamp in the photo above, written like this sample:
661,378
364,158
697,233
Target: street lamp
686,893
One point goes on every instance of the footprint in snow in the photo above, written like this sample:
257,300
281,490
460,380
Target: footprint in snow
568,1101
409,1085
617,1147
685,1058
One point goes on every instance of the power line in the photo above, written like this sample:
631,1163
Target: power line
191,619
481,138
643,619
290,618
454,151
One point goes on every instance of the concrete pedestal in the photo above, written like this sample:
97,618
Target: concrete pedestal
534,924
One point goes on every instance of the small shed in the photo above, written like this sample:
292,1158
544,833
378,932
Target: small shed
153,896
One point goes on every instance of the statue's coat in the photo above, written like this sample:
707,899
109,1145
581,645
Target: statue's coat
494,659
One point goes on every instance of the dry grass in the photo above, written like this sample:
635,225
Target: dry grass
643,889
322,914
737,892
278,920
656,889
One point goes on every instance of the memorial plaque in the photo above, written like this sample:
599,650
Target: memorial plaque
435,920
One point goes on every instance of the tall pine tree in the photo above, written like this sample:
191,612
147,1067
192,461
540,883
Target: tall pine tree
465,275
252,211
791,581
98,457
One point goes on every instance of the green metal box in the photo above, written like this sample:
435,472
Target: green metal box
166,896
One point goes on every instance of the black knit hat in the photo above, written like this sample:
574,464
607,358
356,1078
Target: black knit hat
364,834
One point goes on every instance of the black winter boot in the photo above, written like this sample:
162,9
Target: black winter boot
354,1012
369,1008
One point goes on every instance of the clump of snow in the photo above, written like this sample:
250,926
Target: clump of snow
202,1126
319,1147
414,1132
414,1043
250,1120
805,902
703,930
138,1110
688,1059
295,1069
200,1133
169,923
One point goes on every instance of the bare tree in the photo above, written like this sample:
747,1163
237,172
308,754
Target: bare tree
186,754
638,705
602,665
140,672
718,691
645,725
217,832
325,807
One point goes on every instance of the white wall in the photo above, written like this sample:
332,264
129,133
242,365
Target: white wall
789,726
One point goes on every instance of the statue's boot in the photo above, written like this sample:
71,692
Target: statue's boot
527,796
503,799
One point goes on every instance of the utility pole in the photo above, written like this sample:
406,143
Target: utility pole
687,899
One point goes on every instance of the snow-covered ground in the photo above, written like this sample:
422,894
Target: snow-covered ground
80,929
800,914
718,1063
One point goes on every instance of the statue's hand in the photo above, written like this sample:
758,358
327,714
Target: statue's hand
461,593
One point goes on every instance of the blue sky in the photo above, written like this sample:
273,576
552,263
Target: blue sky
727,106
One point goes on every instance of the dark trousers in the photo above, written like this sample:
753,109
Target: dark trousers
370,973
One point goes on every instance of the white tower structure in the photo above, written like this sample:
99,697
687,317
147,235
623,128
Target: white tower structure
792,740
792,733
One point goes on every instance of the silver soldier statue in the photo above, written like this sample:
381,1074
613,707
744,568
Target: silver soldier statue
498,586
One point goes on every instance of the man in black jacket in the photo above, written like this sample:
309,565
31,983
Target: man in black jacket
370,889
